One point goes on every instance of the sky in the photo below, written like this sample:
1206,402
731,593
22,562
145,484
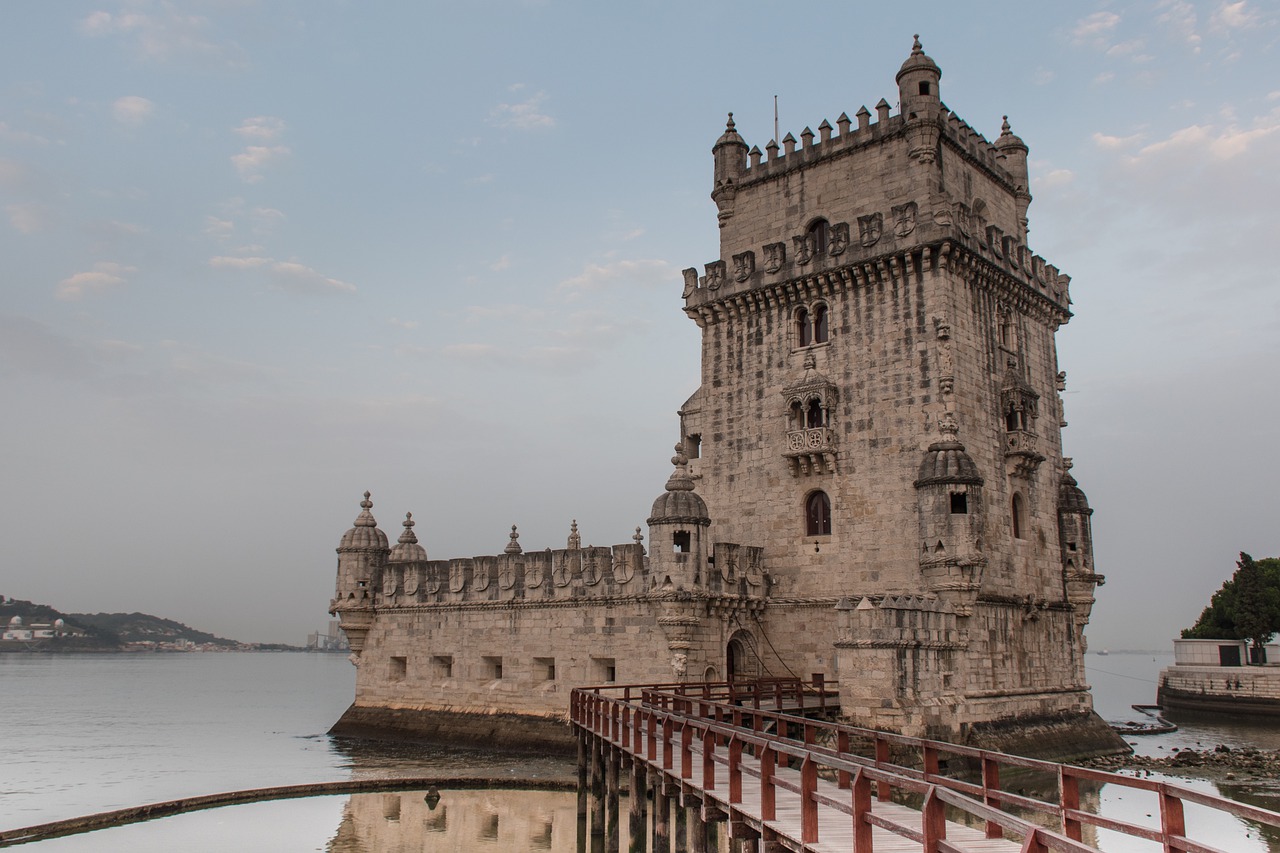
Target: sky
260,257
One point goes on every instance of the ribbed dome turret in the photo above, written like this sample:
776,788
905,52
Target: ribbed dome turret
680,502
407,550
365,535
1070,496
947,461
918,61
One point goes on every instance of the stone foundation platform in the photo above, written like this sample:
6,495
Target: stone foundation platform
1237,690
1065,738
502,731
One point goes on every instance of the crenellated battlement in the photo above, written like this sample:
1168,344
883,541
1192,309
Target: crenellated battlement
831,142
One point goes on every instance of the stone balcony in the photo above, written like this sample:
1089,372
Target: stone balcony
811,451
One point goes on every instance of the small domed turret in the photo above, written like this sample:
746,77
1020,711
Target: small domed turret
679,502
918,82
947,461
365,535
407,549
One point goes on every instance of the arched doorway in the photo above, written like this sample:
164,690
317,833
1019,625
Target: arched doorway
740,658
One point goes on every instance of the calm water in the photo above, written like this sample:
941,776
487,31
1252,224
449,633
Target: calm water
83,734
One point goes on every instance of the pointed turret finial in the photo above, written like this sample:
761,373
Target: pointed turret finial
365,518
1004,128
513,547
728,125
680,481
408,537
639,537
916,47
575,541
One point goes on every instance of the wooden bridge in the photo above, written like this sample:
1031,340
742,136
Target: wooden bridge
722,760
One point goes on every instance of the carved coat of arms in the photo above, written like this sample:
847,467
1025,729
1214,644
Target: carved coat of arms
870,228
904,218
839,238
715,275
690,282
744,265
775,255
804,248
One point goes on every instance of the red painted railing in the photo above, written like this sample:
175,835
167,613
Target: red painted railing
640,718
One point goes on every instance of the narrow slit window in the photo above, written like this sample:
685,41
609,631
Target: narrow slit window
1019,518
959,503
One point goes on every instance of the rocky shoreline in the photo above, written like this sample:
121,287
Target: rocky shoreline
1220,763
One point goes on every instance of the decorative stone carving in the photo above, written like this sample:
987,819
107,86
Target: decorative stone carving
690,282
870,227
839,238
804,248
904,218
507,574
775,255
481,576
411,581
562,572
744,265
623,567
590,568
715,275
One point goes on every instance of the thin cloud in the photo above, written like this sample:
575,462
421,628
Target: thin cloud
1180,16
164,34
469,351
8,134
599,276
104,276
523,115
402,324
132,110
227,262
215,227
501,263
298,278
1104,141
254,159
262,128
1096,29
30,218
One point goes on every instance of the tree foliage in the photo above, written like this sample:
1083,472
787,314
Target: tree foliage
1247,607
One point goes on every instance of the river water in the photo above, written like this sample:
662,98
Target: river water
87,733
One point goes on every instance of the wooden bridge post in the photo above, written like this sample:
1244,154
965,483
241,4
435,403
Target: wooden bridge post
808,803
1069,799
735,770
637,807
882,758
1172,821
661,818
667,745
842,747
584,762
768,796
612,817
861,809
651,735
708,760
686,750
933,821
597,788
626,727
991,786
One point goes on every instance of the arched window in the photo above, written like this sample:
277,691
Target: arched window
819,324
817,514
804,331
814,415
820,231
1019,517
795,418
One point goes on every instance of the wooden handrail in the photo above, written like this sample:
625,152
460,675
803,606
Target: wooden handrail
722,731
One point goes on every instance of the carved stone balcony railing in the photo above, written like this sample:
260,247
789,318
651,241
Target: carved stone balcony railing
1020,451
811,451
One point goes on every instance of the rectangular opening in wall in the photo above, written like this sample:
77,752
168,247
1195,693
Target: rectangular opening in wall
693,445
1071,546
442,666
544,669
959,503
399,667
604,670
492,667
682,541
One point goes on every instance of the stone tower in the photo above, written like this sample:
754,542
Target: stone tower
879,410
869,483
